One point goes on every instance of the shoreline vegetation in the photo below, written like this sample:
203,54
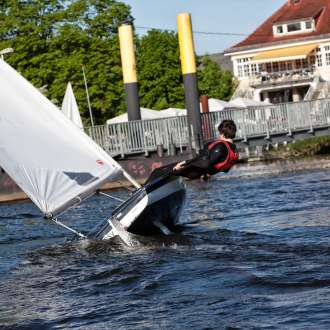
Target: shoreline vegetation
312,147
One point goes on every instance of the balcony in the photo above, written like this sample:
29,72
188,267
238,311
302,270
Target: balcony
268,79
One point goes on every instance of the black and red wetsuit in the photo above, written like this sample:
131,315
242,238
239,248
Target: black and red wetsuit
217,156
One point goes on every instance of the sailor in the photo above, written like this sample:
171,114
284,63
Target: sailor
217,156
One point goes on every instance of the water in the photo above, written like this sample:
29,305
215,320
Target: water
254,254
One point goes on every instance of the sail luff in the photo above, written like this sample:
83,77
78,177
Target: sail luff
129,178
51,159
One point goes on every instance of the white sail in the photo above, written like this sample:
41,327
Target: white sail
70,107
53,161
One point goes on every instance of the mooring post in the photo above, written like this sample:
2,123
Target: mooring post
129,71
160,150
188,66
205,103
206,124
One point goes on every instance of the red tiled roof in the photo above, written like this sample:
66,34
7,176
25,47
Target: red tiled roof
318,9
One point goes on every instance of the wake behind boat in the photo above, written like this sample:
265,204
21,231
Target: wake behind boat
58,166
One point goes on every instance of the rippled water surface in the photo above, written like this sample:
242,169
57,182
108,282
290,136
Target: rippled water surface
254,253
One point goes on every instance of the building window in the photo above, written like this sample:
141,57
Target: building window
242,60
327,59
304,63
308,25
292,27
279,29
319,60
240,71
298,64
243,67
289,66
327,48
282,66
246,70
275,67
312,60
254,69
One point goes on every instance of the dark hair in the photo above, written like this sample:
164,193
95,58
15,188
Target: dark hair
228,129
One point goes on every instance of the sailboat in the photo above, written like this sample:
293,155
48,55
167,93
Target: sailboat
70,107
58,166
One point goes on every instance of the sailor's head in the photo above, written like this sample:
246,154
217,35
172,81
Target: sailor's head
227,129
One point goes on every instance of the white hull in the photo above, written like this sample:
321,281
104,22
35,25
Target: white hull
153,209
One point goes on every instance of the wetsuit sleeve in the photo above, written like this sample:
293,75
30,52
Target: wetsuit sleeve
204,163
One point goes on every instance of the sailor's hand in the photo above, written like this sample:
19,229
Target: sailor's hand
179,166
205,177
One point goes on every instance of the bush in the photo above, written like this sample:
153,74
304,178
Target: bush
310,147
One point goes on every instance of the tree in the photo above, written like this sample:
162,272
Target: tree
159,71
53,39
213,81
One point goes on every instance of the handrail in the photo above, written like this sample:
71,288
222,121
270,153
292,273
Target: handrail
147,136
314,85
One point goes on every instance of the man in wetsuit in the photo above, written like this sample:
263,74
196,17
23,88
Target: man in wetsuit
217,156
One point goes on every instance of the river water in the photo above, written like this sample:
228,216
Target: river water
253,254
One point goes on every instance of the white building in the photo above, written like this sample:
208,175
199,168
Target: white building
287,58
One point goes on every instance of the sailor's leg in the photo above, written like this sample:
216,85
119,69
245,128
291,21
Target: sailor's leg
162,227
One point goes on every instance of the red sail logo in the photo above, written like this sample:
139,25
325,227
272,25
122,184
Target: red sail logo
100,162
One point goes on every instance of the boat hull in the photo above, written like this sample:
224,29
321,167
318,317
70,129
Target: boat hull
151,210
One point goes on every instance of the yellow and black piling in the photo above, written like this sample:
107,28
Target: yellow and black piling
188,66
129,71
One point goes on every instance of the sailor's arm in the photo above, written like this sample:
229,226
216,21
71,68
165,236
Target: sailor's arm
206,161
201,165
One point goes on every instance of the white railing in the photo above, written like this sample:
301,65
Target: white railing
314,85
252,122
282,76
142,136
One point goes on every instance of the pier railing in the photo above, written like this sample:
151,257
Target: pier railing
252,122
141,136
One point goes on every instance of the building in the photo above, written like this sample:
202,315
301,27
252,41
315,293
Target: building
287,58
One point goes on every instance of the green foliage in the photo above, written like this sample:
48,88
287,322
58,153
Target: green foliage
310,147
54,39
160,75
213,81
159,71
